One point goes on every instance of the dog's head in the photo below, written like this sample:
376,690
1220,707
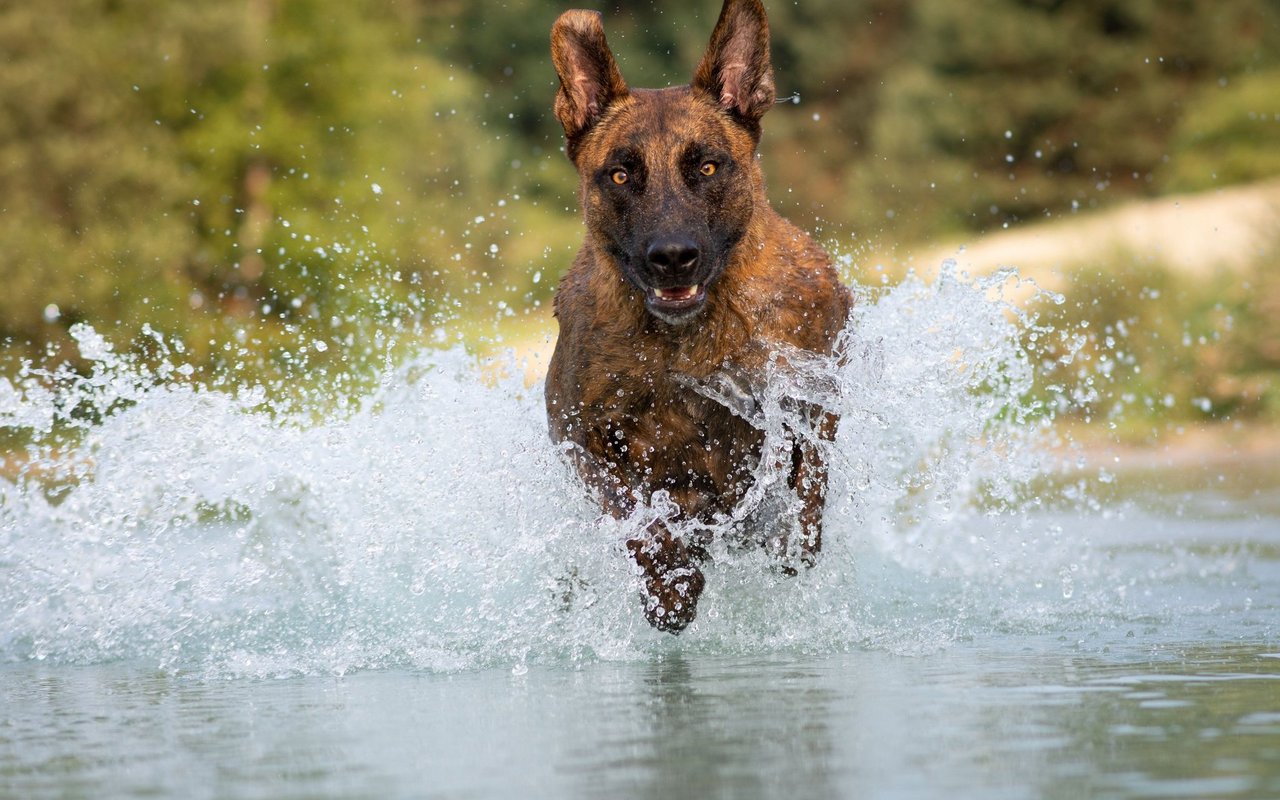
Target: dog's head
669,178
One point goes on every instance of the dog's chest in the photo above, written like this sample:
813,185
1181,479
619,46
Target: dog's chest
664,435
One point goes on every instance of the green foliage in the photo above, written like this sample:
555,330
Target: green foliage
1230,135
286,187
1017,109
271,184
1139,344
93,187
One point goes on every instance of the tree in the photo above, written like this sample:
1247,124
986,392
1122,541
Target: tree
1018,108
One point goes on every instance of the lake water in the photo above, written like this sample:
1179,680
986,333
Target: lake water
412,597
1175,695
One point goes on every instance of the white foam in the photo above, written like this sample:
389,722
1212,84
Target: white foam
435,526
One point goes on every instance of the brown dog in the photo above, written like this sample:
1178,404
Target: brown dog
687,277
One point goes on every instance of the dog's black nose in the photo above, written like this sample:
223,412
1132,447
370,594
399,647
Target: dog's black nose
673,258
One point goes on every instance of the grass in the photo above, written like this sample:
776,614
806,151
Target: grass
1141,347
1230,134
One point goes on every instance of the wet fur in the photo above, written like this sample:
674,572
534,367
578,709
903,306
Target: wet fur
622,382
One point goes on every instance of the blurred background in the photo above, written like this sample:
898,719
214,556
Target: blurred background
288,192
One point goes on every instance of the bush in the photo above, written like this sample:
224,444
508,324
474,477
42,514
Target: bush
1139,344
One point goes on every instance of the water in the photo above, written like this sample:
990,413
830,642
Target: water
201,596
1026,716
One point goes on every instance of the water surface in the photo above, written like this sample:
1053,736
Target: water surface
1032,717
411,596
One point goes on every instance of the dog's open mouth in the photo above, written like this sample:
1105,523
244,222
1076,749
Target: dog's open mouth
677,298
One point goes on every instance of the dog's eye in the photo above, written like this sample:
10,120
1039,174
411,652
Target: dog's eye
619,176
708,169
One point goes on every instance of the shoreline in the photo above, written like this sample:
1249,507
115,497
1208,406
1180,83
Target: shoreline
1181,447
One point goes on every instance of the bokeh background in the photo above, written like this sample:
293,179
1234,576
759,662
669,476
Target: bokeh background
290,192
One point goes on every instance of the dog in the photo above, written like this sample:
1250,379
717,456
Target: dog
687,279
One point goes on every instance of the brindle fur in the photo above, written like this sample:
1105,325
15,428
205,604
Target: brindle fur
621,384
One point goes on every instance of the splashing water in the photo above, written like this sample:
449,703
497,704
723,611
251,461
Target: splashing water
435,525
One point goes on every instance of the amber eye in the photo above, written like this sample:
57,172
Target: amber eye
708,169
619,176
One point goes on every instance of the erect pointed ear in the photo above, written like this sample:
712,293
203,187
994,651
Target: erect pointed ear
736,71
589,77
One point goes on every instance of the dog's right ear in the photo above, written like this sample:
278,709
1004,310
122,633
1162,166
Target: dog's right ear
589,77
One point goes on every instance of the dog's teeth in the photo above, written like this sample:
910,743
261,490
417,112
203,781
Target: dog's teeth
680,293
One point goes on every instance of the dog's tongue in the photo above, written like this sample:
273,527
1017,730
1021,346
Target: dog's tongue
676,292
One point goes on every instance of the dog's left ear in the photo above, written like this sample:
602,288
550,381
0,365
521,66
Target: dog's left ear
736,71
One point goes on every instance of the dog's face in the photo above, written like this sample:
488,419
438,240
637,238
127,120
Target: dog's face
669,178
667,187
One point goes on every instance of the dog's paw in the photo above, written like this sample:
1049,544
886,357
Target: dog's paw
671,599
791,548
571,591
790,567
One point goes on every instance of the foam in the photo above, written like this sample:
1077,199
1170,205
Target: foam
433,525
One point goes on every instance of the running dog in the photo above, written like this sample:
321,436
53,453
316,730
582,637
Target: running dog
686,279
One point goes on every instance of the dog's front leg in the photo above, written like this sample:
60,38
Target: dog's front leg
672,582
809,481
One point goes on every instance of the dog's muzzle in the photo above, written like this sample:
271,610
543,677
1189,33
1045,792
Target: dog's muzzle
676,292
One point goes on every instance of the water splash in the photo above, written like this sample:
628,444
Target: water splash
433,525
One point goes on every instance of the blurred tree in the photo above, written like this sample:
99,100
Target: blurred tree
93,186
251,178
1230,134
1016,108
278,183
